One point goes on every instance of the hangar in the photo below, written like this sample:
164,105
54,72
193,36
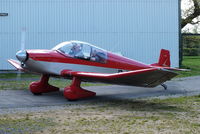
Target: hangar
137,29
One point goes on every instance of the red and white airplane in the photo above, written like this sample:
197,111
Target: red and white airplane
81,61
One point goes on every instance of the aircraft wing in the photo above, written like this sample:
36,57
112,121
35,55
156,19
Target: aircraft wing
16,64
150,77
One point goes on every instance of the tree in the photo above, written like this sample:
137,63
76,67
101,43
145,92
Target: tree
190,15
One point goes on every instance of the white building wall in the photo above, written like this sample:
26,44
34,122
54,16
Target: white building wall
136,28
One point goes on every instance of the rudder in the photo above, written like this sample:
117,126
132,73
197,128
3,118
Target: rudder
164,59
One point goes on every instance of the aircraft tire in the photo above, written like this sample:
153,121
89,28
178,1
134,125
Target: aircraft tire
37,94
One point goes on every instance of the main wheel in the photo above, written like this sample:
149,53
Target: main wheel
37,93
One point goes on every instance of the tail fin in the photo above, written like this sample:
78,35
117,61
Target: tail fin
164,60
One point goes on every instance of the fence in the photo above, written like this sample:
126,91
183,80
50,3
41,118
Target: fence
191,44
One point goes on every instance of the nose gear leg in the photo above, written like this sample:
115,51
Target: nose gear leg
42,86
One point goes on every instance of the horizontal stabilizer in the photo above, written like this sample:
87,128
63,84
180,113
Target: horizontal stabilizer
164,62
175,69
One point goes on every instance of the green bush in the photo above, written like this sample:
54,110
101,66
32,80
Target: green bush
190,51
191,45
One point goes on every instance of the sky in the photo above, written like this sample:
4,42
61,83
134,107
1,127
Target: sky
185,5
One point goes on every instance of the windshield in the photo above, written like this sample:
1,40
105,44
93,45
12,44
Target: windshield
82,50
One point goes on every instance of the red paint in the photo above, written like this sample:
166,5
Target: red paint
42,86
113,61
74,91
164,59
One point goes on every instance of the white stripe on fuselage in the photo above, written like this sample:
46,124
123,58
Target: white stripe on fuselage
55,68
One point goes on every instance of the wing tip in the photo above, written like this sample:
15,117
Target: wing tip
16,64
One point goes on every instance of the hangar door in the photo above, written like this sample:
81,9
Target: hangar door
137,29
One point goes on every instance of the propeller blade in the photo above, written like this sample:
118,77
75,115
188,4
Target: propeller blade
23,34
18,75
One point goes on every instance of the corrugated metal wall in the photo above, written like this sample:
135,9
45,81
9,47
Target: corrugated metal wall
136,28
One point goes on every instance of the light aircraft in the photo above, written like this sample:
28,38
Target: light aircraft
81,61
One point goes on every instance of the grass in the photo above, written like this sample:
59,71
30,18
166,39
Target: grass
24,84
173,115
25,125
15,75
192,63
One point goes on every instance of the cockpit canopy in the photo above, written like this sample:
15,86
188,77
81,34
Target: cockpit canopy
82,50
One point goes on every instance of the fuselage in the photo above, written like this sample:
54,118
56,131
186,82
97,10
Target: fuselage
76,56
53,62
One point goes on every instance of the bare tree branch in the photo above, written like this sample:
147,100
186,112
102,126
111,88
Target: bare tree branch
194,22
190,17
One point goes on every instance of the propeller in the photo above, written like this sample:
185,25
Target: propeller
23,33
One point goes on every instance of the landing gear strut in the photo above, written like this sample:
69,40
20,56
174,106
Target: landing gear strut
42,86
74,91
164,86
